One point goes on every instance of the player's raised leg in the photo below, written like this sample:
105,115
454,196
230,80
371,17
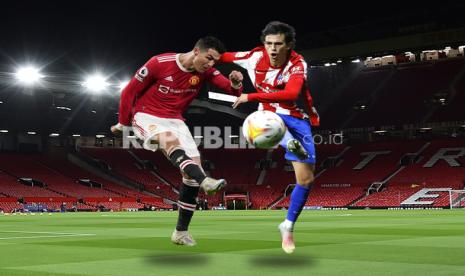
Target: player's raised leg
295,147
178,157
183,154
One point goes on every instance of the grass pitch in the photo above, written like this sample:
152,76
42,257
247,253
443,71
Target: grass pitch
400,242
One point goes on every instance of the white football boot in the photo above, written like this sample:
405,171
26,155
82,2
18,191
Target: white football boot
287,237
210,185
182,238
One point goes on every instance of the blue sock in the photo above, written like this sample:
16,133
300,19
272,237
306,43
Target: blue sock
298,198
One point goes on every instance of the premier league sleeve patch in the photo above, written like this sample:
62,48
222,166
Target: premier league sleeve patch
142,73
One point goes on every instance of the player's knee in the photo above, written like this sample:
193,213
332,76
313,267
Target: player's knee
306,180
168,142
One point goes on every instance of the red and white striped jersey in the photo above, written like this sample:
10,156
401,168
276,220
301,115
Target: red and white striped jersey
164,88
277,87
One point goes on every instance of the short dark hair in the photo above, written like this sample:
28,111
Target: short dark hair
210,42
276,27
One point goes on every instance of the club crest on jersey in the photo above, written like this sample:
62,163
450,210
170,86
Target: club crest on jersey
164,89
142,73
282,78
194,80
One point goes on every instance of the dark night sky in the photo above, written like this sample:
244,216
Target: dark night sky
118,34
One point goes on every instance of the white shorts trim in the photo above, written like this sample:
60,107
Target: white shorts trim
146,126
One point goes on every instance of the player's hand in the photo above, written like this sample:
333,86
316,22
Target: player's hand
236,78
241,99
117,129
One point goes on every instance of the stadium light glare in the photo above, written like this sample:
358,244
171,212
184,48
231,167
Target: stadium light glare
28,75
100,136
31,132
95,83
54,135
123,84
327,64
1,102
3,130
76,135
63,108
356,60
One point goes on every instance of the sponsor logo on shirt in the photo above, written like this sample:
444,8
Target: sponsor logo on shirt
169,78
265,88
188,90
297,70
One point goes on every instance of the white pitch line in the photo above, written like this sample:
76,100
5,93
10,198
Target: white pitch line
55,235
59,236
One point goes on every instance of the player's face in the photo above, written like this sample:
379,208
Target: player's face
277,49
205,60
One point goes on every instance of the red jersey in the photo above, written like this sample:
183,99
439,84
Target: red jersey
277,87
164,88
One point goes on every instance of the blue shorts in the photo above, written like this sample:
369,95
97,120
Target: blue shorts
300,130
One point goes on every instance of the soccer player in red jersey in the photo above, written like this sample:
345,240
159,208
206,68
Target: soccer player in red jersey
153,103
279,75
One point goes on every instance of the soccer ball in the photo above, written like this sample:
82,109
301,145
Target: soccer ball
263,129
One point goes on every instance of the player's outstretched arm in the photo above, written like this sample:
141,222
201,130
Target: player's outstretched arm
290,93
240,100
233,85
143,78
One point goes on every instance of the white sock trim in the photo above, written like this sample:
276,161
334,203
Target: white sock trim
187,206
289,224
190,182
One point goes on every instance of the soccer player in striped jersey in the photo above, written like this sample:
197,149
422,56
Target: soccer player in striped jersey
279,75
153,102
